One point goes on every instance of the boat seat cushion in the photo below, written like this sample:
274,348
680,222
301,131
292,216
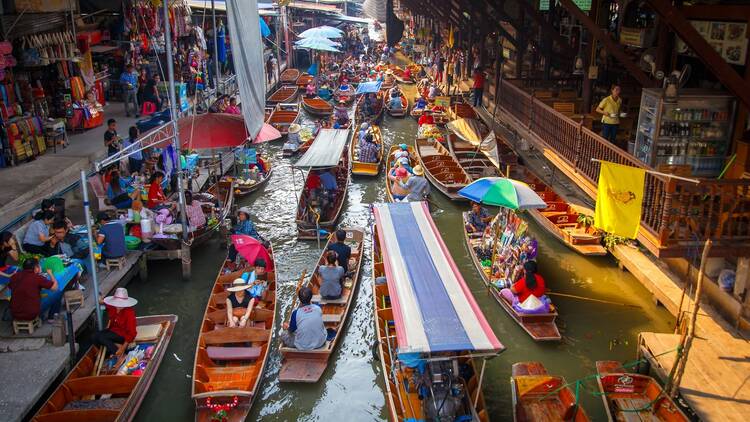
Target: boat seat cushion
147,333
233,353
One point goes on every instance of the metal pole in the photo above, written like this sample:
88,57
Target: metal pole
71,338
92,258
277,29
216,48
173,112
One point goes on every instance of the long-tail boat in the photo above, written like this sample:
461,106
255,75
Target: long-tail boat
303,80
441,168
317,106
229,362
628,396
360,168
540,397
282,116
344,93
569,223
424,307
470,157
400,112
377,107
289,76
318,213
93,392
540,326
309,365
243,188
401,78
413,160
285,94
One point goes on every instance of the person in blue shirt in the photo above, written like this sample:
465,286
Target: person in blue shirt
328,180
305,329
129,84
244,226
111,237
135,159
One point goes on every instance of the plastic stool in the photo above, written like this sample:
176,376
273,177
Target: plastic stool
148,108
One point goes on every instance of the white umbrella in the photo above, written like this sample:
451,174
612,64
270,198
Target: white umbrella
322,31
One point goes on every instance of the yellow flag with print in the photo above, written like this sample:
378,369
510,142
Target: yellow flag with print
619,199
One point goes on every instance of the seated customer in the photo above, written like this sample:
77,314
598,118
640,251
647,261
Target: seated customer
26,288
122,323
343,251
37,235
239,304
8,251
117,192
332,276
477,219
111,237
156,197
305,329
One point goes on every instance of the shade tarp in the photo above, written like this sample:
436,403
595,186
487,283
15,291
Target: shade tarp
369,87
433,308
207,131
244,30
326,150
470,130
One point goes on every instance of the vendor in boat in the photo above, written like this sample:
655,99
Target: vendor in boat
407,74
121,330
398,175
239,304
233,108
531,284
331,277
194,210
305,329
417,185
478,218
117,192
156,197
293,141
310,89
368,150
420,104
426,118
342,250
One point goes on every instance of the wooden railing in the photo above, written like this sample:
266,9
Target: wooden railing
675,213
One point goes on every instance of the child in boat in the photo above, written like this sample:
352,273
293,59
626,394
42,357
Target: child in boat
532,284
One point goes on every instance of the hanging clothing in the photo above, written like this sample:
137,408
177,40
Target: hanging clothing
221,44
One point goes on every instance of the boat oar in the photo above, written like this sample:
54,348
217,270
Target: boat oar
296,291
591,299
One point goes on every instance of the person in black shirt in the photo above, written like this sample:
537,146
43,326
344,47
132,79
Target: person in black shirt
343,252
111,140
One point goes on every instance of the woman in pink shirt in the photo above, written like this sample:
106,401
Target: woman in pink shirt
232,108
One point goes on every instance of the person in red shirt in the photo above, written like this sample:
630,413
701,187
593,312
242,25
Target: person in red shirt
426,118
26,292
156,197
478,87
122,325
531,284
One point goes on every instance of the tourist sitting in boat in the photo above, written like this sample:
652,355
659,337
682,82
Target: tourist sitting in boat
258,272
342,250
417,185
122,323
328,182
194,211
305,329
478,219
110,236
527,294
398,175
239,304
38,233
341,114
310,89
117,192
233,108
26,288
156,197
368,150
395,101
364,128
420,104
332,277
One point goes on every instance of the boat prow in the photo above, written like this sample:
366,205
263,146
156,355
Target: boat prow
540,397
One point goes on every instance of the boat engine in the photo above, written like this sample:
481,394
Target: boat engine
443,393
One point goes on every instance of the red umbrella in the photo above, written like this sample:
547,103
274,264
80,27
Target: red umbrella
211,130
251,249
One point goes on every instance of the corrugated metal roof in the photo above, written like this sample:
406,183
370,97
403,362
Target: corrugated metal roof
33,23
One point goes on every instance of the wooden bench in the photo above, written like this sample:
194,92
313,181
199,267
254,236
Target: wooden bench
219,353
116,263
28,326
332,318
340,301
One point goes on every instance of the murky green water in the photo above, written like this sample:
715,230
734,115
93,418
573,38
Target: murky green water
352,388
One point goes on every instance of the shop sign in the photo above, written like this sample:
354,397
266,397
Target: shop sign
728,38
45,6
632,37
443,101
584,5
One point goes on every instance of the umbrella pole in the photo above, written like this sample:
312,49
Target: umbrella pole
494,251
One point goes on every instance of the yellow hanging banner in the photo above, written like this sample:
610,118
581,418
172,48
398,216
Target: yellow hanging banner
619,199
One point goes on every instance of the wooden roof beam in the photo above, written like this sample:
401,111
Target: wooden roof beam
611,46
547,28
707,54
503,15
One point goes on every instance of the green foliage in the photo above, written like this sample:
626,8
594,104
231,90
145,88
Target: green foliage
611,240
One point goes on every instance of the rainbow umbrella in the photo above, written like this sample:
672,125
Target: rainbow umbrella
503,192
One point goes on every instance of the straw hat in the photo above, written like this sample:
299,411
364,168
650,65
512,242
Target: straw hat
418,170
294,128
246,210
238,285
120,299
389,72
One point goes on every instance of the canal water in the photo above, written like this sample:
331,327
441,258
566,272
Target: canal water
352,387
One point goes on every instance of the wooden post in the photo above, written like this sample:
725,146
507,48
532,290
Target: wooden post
185,259
675,375
143,267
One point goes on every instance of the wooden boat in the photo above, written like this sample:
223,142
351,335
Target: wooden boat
441,168
310,218
561,219
243,188
634,397
404,401
332,122
471,159
398,113
541,327
303,80
283,115
309,365
388,82
285,94
388,159
229,362
462,111
373,119
317,107
401,78
346,95
224,192
289,76
90,393
540,397
360,168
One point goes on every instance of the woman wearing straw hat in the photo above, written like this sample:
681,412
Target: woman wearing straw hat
122,326
293,141
239,304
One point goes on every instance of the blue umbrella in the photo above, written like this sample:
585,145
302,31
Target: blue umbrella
503,192
322,44
323,32
264,29
369,87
